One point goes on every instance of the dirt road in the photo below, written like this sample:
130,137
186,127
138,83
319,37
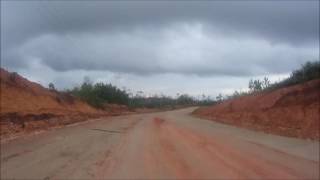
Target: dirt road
158,145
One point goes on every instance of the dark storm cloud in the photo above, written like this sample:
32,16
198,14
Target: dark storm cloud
292,21
204,38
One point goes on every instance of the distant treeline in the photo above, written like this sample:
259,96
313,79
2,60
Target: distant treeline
307,72
99,94
166,101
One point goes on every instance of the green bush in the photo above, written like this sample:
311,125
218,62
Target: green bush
307,72
98,94
51,87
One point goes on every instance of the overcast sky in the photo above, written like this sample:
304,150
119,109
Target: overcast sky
158,47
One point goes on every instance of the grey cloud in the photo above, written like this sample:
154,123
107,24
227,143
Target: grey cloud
181,49
292,22
204,38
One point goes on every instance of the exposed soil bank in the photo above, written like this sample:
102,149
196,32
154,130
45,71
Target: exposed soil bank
27,106
292,111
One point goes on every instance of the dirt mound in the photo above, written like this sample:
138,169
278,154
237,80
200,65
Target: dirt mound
26,104
25,97
292,111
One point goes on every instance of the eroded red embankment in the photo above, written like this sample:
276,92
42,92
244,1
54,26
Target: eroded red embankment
292,111
27,105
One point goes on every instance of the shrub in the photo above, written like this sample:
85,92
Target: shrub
98,94
51,86
307,72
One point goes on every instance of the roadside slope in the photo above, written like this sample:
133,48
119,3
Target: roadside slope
292,111
25,104
20,95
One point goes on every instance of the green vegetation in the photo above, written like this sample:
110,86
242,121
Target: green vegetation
258,85
168,102
51,87
99,94
307,72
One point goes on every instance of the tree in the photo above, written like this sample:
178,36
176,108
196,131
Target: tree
185,99
236,94
51,86
251,85
265,83
219,98
255,85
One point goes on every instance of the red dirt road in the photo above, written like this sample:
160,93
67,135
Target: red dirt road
158,145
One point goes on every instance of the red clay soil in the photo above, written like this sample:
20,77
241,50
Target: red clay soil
163,149
292,111
26,106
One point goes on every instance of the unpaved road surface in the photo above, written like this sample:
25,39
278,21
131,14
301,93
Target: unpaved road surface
159,145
